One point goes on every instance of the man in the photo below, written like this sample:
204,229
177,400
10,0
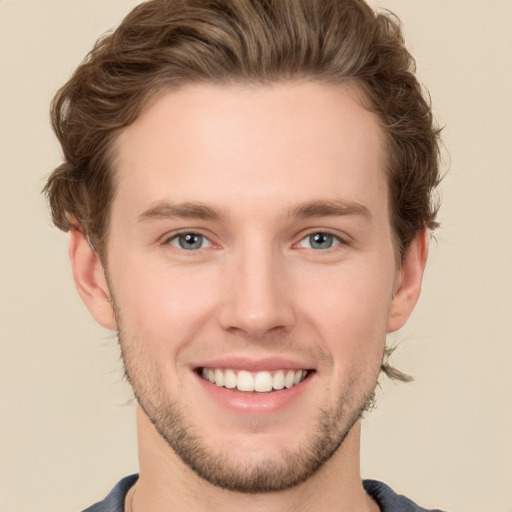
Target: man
248,185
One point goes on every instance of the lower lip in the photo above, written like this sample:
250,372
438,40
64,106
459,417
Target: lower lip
254,403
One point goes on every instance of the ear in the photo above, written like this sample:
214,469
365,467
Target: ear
408,282
90,279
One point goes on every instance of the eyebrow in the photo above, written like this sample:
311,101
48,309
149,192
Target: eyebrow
308,209
188,210
330,208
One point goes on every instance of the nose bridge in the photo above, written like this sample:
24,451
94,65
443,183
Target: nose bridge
257,299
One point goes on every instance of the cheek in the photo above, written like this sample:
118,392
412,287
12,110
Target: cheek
159,305
350,312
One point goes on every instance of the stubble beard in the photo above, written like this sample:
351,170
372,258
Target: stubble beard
282,471
277,472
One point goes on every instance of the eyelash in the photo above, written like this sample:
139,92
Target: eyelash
337,240
176,237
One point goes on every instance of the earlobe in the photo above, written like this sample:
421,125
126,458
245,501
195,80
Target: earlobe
408,282
90,279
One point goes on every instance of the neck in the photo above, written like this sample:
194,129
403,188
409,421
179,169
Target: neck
167,484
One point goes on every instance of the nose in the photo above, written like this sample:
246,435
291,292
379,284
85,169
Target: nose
258,299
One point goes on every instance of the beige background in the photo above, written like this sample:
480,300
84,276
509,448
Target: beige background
67,426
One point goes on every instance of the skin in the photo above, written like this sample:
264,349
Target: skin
256,290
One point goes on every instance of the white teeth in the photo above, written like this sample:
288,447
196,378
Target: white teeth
288,380
230,379
261,382
219,378
278,380
245,381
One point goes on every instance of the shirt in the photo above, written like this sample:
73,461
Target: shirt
383,495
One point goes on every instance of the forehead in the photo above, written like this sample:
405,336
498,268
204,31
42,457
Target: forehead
289,142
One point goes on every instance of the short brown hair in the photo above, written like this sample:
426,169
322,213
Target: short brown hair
163,44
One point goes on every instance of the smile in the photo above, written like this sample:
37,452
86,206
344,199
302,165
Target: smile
261,382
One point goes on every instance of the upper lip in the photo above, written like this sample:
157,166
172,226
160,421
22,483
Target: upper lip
255,365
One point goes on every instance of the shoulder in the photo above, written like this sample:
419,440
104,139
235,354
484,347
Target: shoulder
386,498
114,502
389,501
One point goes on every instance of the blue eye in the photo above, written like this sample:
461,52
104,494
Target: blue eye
190,241
320,241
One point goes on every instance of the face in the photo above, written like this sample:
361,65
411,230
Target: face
251,265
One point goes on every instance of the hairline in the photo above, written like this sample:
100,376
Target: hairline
153,94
